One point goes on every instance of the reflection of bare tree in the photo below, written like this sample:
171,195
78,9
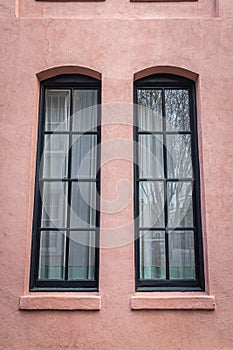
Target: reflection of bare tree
178,152
179,157
177,109
151,99
152,203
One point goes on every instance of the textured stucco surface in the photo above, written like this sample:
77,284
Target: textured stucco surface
117,39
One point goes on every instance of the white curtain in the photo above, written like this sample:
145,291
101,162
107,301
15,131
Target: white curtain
54,193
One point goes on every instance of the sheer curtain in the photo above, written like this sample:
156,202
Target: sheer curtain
55,211
152,190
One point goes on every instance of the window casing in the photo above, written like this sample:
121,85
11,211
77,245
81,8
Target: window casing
168,241
65,253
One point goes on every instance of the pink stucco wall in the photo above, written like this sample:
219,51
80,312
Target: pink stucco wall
116,38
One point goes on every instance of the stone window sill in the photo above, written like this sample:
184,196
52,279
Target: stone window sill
174,301
60,301
74,0
163,0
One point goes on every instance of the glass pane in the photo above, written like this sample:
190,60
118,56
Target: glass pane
54,204
151,204
149,110
83,205
57,110
177,110
55,156
85,110
150,156
180,209
181,255
152,255
179,162
84,156
52,255
82,255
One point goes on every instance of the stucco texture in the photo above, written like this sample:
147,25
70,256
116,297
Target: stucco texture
116,38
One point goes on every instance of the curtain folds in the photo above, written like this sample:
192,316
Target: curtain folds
82,159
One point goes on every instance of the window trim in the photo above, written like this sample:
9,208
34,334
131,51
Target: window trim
62,81
166,81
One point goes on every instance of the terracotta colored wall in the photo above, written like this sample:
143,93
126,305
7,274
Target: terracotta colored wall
117,38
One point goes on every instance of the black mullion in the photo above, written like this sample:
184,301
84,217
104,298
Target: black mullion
67,229
166,180
164,132
136,188
165,184
199,263
35,246
67,180
98,184
168,228
72,132
69,187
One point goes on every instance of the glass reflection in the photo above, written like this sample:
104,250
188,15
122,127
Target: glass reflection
151,204
52,255
179,162
84,156
180,209
54,204
83,205
152,255
177,110
85,110
57,110
181,255
149,110
82,255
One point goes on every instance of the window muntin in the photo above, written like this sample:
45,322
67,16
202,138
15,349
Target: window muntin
168,245
66,210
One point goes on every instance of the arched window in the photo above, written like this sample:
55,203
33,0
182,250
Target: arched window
168,244
66,206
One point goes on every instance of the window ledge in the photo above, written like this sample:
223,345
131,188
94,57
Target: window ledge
172,302
163,0
60,302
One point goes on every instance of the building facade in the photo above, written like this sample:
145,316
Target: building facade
125,241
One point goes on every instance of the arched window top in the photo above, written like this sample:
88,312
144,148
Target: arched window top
68,70
164,79
71,79
166,70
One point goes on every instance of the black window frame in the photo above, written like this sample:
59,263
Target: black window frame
170,81
71,82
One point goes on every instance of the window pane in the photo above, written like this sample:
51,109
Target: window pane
54,204
179,162
177,110
181,255
52,255
151,204
83,205
84,156
55,156
82,255
85,110
150,156
152,255
57,110
149,110
180,209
